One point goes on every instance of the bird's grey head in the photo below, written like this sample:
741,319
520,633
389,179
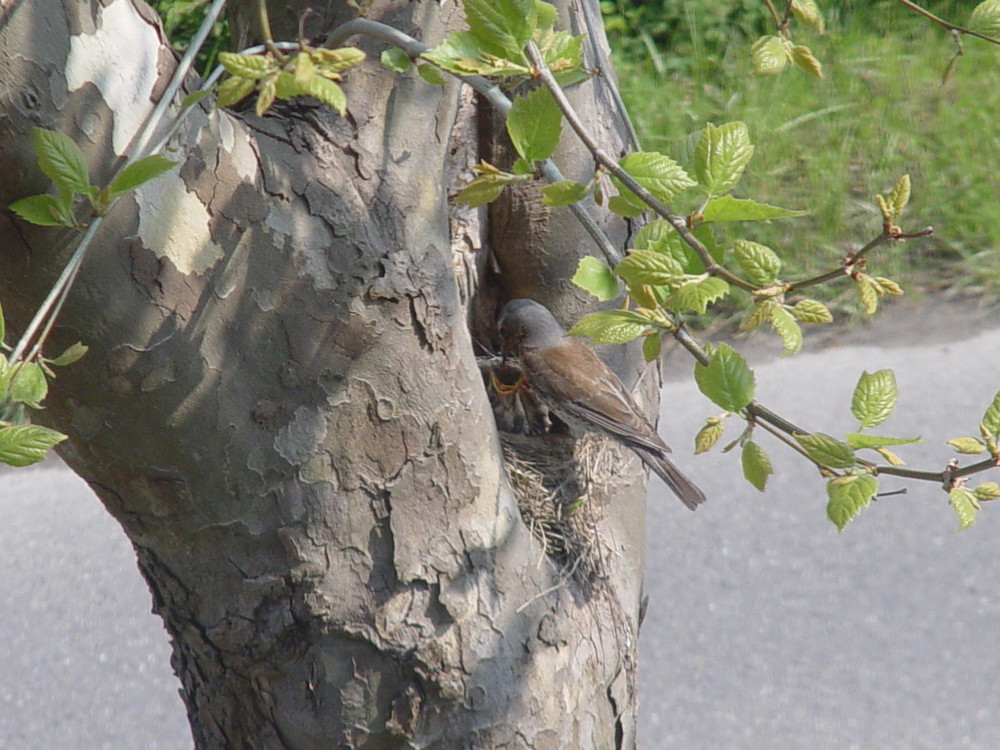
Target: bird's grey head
524,322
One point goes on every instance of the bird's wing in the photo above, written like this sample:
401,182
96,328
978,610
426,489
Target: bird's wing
572,374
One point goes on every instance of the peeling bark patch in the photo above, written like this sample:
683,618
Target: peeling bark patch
126,89
243,158
174,224
309,237
423,277
298,441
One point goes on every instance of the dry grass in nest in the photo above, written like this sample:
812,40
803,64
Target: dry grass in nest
560,483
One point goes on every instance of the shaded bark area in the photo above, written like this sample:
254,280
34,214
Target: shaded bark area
282,408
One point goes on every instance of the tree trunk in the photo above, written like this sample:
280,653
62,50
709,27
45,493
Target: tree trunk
282,408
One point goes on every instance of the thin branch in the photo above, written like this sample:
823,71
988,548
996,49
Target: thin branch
838,272
853,259
491,92
604,67
678,222
947,24
774,13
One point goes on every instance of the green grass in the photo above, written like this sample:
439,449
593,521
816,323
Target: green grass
829,145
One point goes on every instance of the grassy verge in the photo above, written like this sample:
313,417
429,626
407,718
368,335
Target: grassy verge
829,145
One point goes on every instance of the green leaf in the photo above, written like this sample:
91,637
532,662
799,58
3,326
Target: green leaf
610,326
267,90
807,13
811,311
23,445
246,66
758,262
624,207
462,53
193,98
562,53
522,167
726,380
303,67
330,62
233,90
594,276
547,14
534,124
326,91
658,173
28,384
887,286
986,491
965,505
985,18
697,295
868,292
769,56
708,435
3,327
970,446
68,357
140,172
649,267
431,74
61,160
783,323
763,308
859,440
44,210
483,189
874,397
826,450
728,208
991,417
899,196
503,27
652,346
660,236
395,60
756,464
563,192
805,59
847,496
721,156
706,235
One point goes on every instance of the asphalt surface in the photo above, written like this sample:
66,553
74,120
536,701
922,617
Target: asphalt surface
766,628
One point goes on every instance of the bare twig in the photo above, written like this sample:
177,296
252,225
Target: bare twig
947,24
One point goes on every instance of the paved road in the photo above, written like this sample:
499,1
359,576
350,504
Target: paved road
766,628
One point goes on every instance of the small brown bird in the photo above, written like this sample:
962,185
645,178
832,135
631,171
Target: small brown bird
572,381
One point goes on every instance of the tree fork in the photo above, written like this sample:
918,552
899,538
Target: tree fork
281,406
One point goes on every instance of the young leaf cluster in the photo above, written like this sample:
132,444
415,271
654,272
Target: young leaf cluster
498,32
964,500
662,270
61,160
24,385
773,53
312,71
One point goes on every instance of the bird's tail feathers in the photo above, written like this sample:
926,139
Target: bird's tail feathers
684,488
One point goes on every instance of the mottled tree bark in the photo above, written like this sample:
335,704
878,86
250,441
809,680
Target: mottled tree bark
281,404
